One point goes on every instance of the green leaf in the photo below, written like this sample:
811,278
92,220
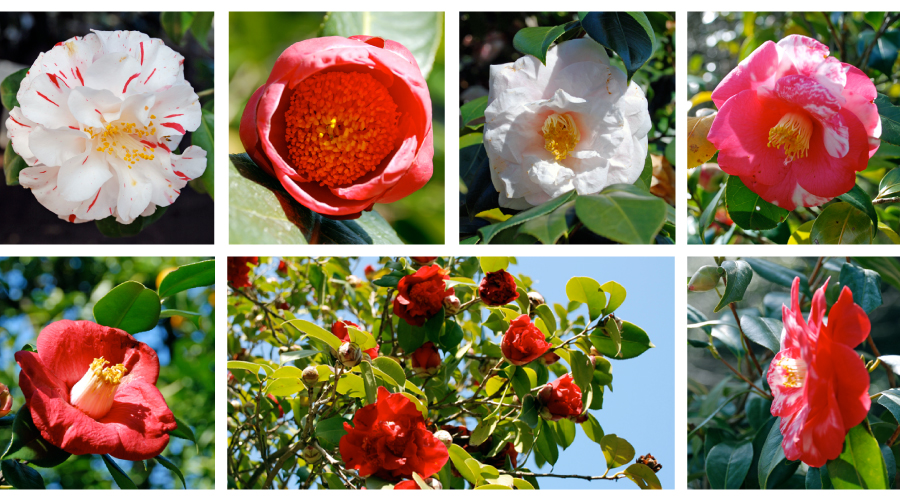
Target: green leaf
890,120
122,480
459,456
592,428
489,232
861,465
27,443
634,342
183,431
748,210
546,314
545,444
887,267
841,224
21,476
643,476
203,137
130,307
616,450
200,27
764,331
622,213
111,228
411,337
493,264
587,291
629,34
391,368
738,274
482,431
536,41
582,370
330,431
890,399
172,467
616,296
10,87
473,110
285,387
315,331
773,467
778,274
548,229
420,32
707,216
188,276
176,24
364,340
370,386
889,185
530,411
12,165
728,463
475,172
520,382
168,313
244,365
612,330
452,336
865,285
860,199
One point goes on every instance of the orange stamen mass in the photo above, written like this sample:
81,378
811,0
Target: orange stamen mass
340,126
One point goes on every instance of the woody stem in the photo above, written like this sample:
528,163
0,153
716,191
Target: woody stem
745,379
484,381
744,338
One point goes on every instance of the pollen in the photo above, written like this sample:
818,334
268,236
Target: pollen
340,126
94,393
793,372
560,135
793,133
129,142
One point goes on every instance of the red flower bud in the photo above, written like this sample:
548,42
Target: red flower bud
523,342
284,306
6,400
560,399
280,409
451,305
282,267
550,357
239,270
421,295
498,288
425,360
369,272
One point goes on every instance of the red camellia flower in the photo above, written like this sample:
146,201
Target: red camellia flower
424,260
278,404
389,439
820,385
407,484
339,329
282,267
561,399
92,390
343,123
426,360
239,270
523,342
498,288
421,295
369,271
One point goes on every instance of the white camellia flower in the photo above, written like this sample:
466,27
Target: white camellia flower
573,123
98,117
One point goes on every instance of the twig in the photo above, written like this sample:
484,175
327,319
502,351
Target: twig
881,201
838,40
274,471
484,381
336,466
467,305
204,93
864,59
745,379
744,338
614,477
893,438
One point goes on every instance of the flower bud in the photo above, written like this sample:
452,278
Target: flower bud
6,400
310,376
349,354
433,483
426,360
369,272
549,358
444,437
424,261
649,461
311,454
451,305
354,281
535,299
706,278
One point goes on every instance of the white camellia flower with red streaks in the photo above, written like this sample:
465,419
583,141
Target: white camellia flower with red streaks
97,121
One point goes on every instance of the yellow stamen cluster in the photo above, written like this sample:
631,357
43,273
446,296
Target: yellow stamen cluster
122,140
560,135
793,371
111,375
340,126
95,392
793,133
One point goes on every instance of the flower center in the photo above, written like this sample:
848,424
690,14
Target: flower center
94,393
793,372
560,135
792,132
340,126
125,141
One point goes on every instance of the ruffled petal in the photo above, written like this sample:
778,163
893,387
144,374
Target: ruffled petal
80,177
160,66
112,72
54,147
141,420
19,129
177,110
94,108
761,68
45,101
848,323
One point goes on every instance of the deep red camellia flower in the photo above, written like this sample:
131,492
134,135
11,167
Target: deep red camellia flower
407,484
343,123
426,359
339,329
421,295
820,386
561,399
92,390
239,270
369,271
498,288
424,260
523,342
282,267
389,439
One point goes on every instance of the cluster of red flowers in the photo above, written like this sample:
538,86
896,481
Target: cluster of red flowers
421,295
239,270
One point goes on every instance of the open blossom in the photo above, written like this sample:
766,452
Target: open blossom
561,399
819,384
239,270
343,123
92,389
97,121
523,342
795,124
497,288
572,124
426,360
421,294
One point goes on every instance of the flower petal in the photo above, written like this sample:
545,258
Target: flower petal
80,177
141,420
113,72
45,103
56,146
19,129
160,66
94,108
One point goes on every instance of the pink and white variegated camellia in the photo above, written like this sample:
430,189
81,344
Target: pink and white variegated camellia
575,123
795,124
97,121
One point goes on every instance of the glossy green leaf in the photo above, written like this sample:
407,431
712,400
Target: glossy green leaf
887,267
727,464
391,368
764,331
592,428
748,210
475,172
330,431
616,450
548,229
370,386
565,432
536,41
616,293
364,340
774,468
204,137
411,337
285,387
351,385
546,314
530,411
459,456
111,228
483,431
545,444
473,110
244,365
119,476
165,462
738,275
889,186
12,165
865,285
21,476
489,232
634,342
643,476
493,264
27,443
10,87
841,224
890,120
582,370
778,274
860,465
315,331
860,199
188,276
200,27
710,211
622,213
587,291
612,331
176,24
629,34
183,431
890,399
130,307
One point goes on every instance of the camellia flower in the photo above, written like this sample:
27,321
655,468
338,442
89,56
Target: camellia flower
819,384
282,267
369,271
389,439
239,270
572,124
343,123
92,389
795,124
339,330
421,295
426,360
561,399
97,121
497,288
523,342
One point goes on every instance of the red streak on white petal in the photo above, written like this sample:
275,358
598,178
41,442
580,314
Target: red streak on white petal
48,99
74,128
132,77
95,200
58,44
182,176
142,53
173,116
63,75
85,160
148,144
72,218
149,77
78,73
175,126
17,121
163,145
54,79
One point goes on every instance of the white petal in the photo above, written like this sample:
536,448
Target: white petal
54,147
81,176
67,60
134,193
575,51
94,108
46,103
177,111
19,129
138,109
191,163
160,65
554,178
113,72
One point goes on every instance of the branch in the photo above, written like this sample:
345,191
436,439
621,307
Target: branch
336,466
744,338
614,477
881,201
864,60
838,40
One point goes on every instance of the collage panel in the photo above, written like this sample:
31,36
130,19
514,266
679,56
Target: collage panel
450,373
792,373
107,127
336,128
106,373
793,134
567,128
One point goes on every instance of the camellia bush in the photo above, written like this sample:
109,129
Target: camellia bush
787,386
426,373
794,127
573,143
90,391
